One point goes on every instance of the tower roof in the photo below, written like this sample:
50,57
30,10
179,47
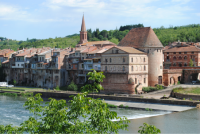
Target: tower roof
141,37
83,28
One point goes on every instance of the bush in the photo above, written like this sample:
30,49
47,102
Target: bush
121,106
159,87
149,89
111,106
178,83
57,88
72,87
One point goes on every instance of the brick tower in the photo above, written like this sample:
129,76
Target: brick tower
146,40
83,32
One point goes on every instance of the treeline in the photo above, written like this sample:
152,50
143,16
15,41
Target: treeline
188,33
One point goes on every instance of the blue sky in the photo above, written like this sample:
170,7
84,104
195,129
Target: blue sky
41,19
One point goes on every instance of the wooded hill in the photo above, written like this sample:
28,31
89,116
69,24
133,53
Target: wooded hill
188,33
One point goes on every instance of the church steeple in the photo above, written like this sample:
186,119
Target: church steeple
83,32
83,28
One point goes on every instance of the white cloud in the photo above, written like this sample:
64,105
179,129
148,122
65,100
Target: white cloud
8,12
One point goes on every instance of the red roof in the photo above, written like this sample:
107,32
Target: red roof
141,37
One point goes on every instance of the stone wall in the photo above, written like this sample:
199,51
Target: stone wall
172,76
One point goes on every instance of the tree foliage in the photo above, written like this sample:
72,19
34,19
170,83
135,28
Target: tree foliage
148,129
191,64
72,87
83,115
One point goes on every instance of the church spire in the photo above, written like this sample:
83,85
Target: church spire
83,28
83,32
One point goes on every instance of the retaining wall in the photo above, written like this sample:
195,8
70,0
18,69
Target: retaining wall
58,95
186,96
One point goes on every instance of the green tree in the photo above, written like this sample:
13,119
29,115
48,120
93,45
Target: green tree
114,40
85,115
14,82
191,63
148,129
72,87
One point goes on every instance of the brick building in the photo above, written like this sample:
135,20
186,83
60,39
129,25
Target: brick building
144,39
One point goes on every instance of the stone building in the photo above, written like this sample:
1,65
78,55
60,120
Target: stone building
125,68
144,39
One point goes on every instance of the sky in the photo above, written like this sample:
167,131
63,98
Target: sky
42,19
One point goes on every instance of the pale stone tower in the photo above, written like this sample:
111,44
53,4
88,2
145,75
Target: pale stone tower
146,40
83,32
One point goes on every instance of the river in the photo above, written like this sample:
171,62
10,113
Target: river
13,112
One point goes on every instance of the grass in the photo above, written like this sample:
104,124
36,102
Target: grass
187,90
111,106
20,89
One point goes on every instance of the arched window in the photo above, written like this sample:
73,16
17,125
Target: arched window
180,64
131,59
174,64
123,68
105,68
132,68
185,57
185,64
110,60
180,58
174,58
144,68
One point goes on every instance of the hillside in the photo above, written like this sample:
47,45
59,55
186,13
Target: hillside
189,33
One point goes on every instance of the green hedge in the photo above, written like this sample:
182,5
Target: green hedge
150,89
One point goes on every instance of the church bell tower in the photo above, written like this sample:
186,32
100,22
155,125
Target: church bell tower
83,32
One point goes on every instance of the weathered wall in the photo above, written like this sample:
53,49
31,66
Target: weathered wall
171,76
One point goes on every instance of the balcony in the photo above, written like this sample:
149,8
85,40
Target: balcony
97,68
25,70
16,66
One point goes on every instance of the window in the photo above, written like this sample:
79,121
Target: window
144,68
174,58
135,80
144,80
180,58
167,52
144,59
174,64
105,68
174,52
40,59
180,64
123,68
18,64
192,52
76,54
132,68
117,51
179,52
110,60
131,59
159,79
185,57
112,51
185,64
157,50
148,51
123,59
106,60
185,52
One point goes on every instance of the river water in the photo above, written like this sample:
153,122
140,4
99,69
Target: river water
13,112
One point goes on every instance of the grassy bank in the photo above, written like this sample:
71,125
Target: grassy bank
17,94
187,90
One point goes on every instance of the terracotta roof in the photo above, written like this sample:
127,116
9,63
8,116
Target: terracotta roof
183,49
141,37
130,50
96,43
83,28
89,49
104,49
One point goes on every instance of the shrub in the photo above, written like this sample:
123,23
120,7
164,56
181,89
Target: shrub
147,109
57,88
159,87
126,106
183,98
178,83
190,99
121,105
149,89
111,106
72,87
